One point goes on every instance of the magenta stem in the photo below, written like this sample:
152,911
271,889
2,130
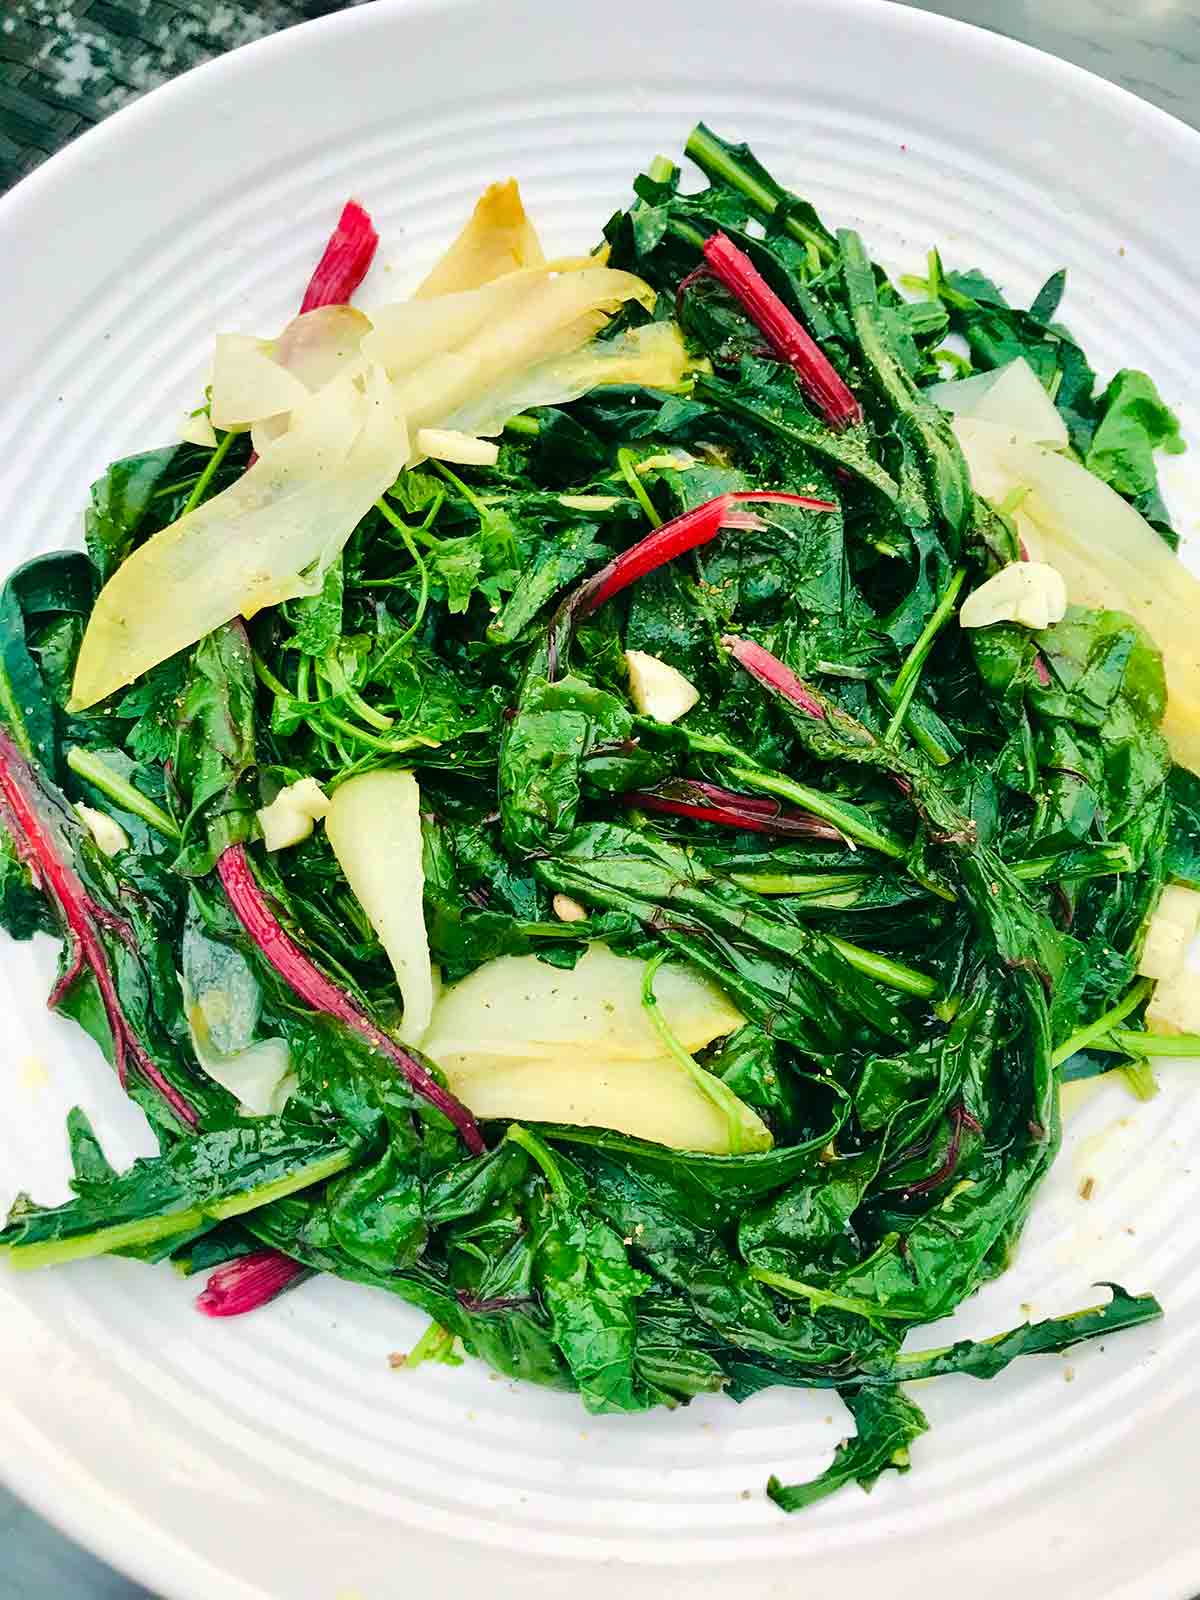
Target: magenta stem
787,336
708,802
251,1281
683,533
345,261
316,990
38,839
768,670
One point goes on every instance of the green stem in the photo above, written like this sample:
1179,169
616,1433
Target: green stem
717,162
1133,1042
719,1094
422,567
1103,1025
384,746
806,884
148,1230
456,482
101,776
206,477
627,462
892,974
825,1297
848,819
541,1153
344,690
905,686
1101,861
684,230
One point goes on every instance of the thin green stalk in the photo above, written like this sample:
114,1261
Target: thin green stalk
414,741
1133,1042
892,974
960,366
456,482
627,462
206,477
722,1098
86,764
1084,1037
717,163
825,1297
684,230
848,819
799,883
1102,861
422,567
909,676
344,690
541,1153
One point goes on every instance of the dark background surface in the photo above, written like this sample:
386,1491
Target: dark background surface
64,66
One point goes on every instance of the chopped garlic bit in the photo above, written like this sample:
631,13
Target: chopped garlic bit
1170,932
464,449
568,910
110,836
1029,592
290,816
657,689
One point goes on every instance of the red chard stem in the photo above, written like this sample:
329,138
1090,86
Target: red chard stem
823,386
316,990
37,821
708,802
341,269
251,1281
768,670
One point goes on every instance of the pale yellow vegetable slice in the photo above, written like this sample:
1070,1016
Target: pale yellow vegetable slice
1011,397
495,367
1109,556
374,827
1170,933
519,1006
653,356
498,238
649,1097
408,333
1175,1004
248,384
198,430
267,538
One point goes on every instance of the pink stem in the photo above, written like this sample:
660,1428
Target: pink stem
683,533
787,336
343,266
37,835
768,670
244,1285
707,802
316,990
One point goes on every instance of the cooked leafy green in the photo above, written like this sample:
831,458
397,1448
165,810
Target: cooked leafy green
918,860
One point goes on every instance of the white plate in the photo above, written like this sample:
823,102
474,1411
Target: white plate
278,1456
